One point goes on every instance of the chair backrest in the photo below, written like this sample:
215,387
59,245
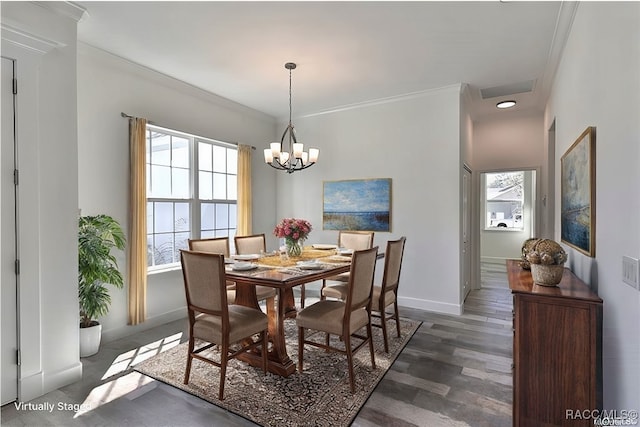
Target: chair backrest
356,240
216,245
204,282
363,266
250,244
392,264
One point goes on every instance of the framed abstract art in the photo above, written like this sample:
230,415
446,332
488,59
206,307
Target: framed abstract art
578,194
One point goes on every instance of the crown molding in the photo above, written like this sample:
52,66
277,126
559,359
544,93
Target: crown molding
65,8
26,40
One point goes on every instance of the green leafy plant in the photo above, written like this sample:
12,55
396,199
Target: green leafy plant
97,266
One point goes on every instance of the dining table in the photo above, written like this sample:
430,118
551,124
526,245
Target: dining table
282,274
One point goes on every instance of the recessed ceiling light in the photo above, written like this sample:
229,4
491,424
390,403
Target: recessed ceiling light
506,104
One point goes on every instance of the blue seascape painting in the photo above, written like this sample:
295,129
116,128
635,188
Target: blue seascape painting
577,202
363,205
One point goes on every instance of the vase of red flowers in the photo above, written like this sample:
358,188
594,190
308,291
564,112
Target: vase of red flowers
295,232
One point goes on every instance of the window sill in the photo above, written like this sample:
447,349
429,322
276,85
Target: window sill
165,269
501,229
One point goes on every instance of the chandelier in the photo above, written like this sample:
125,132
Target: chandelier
293,158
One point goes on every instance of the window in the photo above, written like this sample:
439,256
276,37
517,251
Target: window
191,192
504,198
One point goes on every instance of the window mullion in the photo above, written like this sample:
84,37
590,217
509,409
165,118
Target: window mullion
195,190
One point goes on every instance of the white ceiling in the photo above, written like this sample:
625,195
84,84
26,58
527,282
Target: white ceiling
347,52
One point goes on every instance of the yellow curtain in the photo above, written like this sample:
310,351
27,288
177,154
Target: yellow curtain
244,190
137,271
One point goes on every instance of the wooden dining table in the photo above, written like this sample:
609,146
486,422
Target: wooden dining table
282,275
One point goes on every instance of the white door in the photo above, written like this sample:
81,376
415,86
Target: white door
466,233
8,279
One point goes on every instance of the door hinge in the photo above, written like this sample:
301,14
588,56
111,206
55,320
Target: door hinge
15,86
16,176
18,357
17,266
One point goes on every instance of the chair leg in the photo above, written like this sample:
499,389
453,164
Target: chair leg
395,308
302,296
370,335
265,350
383,324
187,371
349,351
324,284
300,348
223,368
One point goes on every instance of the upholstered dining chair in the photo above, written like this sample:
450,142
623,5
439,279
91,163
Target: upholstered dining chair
344,318
220,245
215,245
254,244
354,240
213,320
387,293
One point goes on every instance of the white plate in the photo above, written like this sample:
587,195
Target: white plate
345,251
243,266
228,261
309,265
247,257
323,246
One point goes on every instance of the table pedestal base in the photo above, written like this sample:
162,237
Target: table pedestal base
278,361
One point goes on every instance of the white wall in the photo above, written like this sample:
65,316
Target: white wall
415,141
598,84
42,40
107,86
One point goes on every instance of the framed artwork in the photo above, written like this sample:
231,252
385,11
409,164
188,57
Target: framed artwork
358,204
578,194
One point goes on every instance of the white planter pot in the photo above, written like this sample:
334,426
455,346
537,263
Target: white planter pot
90,340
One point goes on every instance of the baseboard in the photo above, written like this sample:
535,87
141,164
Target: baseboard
152,322
41,383
428,305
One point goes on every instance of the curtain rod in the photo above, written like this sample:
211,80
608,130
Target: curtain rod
128,116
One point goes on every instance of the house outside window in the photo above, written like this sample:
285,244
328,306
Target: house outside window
504,200
191,192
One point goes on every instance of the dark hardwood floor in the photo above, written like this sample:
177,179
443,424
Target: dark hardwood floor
455,371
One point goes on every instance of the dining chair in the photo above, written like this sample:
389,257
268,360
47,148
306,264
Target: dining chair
254,244
213,320
387,293
215,245
220,245
355,240
344,318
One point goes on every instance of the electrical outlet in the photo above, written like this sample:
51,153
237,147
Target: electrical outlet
631,271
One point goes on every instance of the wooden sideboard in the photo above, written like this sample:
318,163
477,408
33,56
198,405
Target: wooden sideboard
557,350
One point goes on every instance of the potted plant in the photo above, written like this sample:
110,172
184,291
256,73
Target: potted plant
97,268
547,260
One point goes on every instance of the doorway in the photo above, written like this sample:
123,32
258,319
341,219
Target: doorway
8,249
508,216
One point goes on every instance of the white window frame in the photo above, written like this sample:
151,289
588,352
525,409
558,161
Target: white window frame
493,223
193,200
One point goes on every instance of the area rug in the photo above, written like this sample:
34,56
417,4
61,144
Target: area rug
319,396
